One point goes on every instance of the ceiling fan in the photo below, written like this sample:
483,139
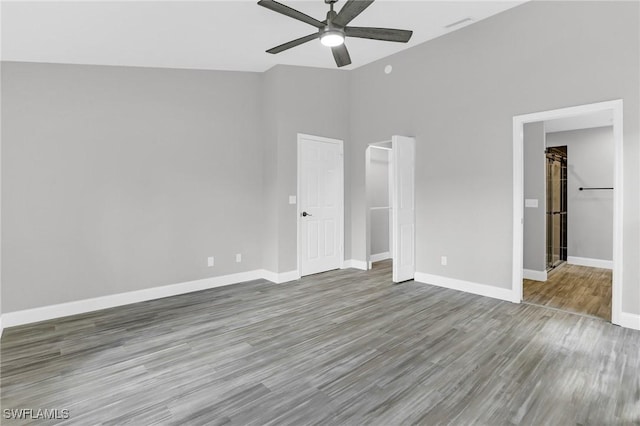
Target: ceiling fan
334,29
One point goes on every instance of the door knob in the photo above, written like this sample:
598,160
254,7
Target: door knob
305,214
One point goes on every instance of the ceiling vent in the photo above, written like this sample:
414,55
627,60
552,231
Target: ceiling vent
457,23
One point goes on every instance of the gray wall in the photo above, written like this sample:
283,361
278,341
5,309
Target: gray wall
378,194
118,179
590,159
535,236
1,199
269,139
302,100
458,94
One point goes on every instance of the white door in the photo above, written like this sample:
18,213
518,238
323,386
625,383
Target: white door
403,195
320,204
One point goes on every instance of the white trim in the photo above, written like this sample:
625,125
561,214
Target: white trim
530,274
367,216
355,264
466,286
380,256
280,277
518,209
27,316
386,145
1,326
380,147
593,263
616,106
629,320
618,212
340,143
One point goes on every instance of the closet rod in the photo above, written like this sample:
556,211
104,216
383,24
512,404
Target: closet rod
590,189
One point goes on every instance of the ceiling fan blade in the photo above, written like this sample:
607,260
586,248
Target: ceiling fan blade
286,10
341,55
350,10
386,34
292,43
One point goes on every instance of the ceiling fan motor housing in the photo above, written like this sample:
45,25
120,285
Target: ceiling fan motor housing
330,29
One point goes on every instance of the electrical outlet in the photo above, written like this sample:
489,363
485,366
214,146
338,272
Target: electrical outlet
238,257
210,261
443,260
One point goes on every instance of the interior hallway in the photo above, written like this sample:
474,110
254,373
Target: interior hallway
573,288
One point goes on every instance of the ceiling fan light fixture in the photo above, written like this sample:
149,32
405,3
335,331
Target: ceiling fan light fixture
332,38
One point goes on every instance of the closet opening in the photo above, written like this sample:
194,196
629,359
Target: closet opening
379,198
390,203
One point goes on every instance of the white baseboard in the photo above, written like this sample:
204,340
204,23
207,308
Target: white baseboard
380,256
593,263
27,316
356,264
280,277
628,320
466,286
530,274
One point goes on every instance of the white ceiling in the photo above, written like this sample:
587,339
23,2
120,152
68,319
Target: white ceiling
221,35
585,121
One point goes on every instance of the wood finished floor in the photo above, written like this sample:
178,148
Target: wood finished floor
573,288
345,347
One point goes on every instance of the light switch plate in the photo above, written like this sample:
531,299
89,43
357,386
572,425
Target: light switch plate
292,199
531,202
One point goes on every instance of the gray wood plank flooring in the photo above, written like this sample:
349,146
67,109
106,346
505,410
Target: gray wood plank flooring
344,347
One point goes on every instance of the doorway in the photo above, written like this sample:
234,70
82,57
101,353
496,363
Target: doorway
390,199
320,203
379,178
574,157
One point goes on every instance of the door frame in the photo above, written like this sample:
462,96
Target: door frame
616,107
340,143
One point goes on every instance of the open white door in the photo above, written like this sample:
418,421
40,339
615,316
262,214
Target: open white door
320,204
403,208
